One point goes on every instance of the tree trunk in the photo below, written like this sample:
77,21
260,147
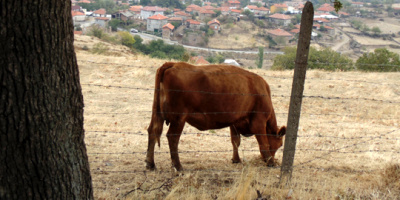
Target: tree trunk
42,149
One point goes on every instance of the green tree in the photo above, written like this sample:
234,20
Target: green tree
381,60
326,59
114,23
96,31
127,39
376,30
260,60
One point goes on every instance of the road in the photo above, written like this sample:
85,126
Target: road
345,40
148,37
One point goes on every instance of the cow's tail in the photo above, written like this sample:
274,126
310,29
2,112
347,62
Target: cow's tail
157,119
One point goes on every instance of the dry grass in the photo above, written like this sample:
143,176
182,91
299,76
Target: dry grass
240,36
366,132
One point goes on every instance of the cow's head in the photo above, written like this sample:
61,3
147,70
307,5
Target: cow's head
276,140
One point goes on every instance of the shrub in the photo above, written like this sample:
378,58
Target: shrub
381,60
100,48
326,59
96,31
126,39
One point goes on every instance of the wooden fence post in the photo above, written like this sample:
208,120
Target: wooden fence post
299,76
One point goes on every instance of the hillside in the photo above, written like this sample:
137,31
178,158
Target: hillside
348,145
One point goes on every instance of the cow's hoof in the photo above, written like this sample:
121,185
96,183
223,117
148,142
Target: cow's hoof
236,161
150,166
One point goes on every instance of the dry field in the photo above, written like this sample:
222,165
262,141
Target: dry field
348,145
240,36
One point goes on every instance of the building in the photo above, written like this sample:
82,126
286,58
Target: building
214,25
279,8
100,13
183,15
149,11
78,16
167,30
192,24
280,19
136,10
156,22
234,4
280,34
204,14
258,11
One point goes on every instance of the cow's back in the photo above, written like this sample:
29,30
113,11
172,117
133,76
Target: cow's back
212,96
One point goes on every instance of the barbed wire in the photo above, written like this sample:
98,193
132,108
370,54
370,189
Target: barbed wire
245,94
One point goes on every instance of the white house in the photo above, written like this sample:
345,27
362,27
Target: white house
156,22
149,11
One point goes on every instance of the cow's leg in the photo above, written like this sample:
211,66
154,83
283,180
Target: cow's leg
154,131
258,127
235,139
173,134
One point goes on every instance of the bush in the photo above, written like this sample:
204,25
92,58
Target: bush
326,59
100,48
96,31
126,39
381,60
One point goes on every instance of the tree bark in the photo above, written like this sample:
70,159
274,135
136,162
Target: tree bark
42,149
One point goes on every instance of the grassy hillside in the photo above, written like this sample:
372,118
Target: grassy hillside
348,145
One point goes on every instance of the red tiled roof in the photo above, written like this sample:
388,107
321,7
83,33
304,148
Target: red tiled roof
158,17
234,2
198,60
280,16
326,9
76,13
193,6
297,30
183,14
100,11
175,19
78,32
208,7
278,5
135,8
343,13
169,26
279,32
321,20
236,11
191,21
297,26
223,9
154,9
357,3
213,21
207,12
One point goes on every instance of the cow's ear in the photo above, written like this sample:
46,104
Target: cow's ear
282,131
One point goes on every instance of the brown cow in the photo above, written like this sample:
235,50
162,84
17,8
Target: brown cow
213,97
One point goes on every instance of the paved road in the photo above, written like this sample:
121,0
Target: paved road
148,37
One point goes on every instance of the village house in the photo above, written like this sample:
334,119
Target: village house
78,16
280,8
198,60
149,11
214,25
280,19
136,10
280,34
224,10
156,22
183,15
234,4
193,9
100,13
167,31
235,13
175,20
192,24
326,8
258,11
204,14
